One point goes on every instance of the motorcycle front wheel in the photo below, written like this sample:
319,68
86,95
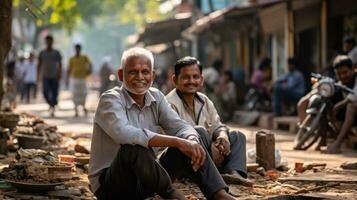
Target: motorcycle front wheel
308,133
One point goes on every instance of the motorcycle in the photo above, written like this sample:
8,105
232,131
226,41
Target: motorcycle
256,101
317,123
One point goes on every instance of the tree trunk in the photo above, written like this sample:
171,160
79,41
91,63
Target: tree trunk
5,38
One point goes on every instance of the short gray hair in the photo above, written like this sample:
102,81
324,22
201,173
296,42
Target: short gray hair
137,52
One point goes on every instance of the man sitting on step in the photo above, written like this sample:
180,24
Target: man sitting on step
227,148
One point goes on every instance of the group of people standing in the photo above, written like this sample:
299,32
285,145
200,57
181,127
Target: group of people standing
25,76
20,80
50,70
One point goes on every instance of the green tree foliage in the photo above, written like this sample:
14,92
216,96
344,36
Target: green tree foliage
67,13
137,12
60,13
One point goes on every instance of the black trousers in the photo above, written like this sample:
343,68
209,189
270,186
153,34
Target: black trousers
135,174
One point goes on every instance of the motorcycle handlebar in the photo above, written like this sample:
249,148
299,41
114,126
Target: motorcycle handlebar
319,76
344,88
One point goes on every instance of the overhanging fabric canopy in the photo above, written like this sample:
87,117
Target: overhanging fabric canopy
164,31
225,13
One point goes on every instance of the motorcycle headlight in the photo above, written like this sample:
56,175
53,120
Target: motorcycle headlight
326,89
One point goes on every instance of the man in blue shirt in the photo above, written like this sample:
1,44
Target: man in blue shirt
289,88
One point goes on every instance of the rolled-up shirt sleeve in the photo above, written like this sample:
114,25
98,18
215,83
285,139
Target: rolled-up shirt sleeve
111,117
173,124
353,96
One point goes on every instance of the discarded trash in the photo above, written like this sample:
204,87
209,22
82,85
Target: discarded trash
272,174
299,167
261,171
66,158
252,156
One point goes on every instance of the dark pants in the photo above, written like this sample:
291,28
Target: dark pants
286,96
236,160
50,90
135,174
207,177
28,88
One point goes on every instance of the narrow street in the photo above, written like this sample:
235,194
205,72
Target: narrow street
64,117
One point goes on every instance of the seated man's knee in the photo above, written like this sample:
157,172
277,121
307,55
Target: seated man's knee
128,151
236,136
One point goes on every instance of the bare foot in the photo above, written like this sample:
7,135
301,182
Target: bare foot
236,178
333,149
52,111
222,195
176,194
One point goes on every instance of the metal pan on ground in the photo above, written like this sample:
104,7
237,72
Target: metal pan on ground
33,187
29,141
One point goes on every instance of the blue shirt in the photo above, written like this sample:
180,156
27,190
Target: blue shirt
294,81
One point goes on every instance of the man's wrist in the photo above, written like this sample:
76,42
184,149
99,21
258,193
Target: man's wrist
193,138
223,134
177,142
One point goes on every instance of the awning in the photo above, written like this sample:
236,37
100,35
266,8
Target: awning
223,14
164,31
204,22
157,48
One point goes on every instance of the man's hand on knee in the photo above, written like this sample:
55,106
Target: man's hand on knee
217,157
223,145
193,150
221,142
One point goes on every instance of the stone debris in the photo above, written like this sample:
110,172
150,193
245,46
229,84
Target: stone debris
349,165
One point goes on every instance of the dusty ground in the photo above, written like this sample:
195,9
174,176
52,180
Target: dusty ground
264,186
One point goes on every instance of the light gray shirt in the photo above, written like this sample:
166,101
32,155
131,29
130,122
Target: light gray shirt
204,114
119,120
50,60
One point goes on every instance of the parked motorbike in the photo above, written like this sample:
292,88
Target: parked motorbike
317,123
256,101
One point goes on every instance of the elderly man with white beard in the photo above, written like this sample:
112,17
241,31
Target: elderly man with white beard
126,135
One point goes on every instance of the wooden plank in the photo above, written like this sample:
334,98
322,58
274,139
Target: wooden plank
252,167
326,178
265,147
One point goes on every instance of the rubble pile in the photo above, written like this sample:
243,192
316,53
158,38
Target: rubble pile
34,126
268,184
30,166
35,167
